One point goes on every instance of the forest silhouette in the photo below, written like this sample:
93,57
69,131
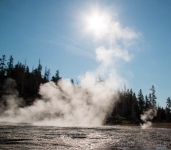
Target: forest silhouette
129,106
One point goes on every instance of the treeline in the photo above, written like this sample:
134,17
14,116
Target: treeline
129,106
28,81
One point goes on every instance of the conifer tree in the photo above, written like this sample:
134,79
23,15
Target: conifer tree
153,97
10,67
46,75
168,103
141,102
147,103
135,110
56,78
2,66
168,109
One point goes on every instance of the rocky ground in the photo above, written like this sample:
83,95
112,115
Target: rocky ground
26,136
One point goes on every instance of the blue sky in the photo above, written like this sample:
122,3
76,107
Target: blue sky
56,32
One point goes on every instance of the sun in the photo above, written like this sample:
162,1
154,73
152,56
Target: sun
97,23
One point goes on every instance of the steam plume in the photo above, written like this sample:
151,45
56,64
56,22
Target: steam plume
64,105
147,117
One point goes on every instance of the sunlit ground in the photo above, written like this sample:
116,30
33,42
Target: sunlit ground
25,136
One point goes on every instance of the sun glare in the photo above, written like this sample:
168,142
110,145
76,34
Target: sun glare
97,23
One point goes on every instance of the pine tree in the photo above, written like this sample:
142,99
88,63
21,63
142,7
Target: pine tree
135,109
141,102
10,67
18,73
37,77
168,103
158,113
147,103
46,75
168,109
23,78
153,97
56,78
2,67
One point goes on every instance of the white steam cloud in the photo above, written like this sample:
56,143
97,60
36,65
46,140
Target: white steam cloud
147,117
89,103
64,105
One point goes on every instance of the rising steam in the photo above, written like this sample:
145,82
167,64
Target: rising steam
86,104
64,105
147,117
